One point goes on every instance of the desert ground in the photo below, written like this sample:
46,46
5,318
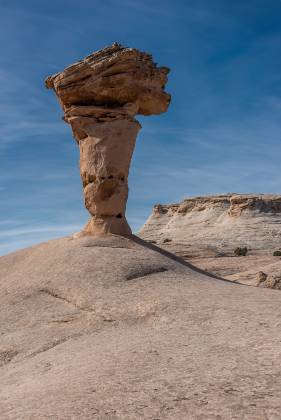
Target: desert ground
116,328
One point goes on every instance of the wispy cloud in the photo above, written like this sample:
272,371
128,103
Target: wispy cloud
25,118
31,13
19,131
39,230
17,237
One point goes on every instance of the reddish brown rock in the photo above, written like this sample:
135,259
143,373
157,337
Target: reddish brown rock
100,97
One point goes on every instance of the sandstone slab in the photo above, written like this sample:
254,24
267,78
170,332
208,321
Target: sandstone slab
112,328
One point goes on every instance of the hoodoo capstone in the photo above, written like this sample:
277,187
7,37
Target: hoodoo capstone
100,96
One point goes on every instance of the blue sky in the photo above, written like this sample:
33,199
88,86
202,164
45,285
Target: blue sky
221,133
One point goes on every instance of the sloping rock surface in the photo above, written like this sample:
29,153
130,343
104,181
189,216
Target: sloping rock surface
113,328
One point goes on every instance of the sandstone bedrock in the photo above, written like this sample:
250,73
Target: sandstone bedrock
112,329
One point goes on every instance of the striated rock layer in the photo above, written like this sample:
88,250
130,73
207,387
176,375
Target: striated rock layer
216,225
100,96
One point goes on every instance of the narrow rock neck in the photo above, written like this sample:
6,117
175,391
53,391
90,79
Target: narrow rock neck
106,150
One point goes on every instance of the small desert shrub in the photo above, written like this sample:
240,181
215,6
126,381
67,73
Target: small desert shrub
167,240
241,251
277,253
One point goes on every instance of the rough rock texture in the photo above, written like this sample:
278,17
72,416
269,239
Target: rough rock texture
108,328
100,97
272,281
206,230
216,225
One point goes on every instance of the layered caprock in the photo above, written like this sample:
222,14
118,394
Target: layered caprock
100,97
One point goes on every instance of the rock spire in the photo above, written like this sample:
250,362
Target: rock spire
100,96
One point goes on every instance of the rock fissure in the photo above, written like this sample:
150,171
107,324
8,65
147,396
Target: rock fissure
55,343
55,295
145,273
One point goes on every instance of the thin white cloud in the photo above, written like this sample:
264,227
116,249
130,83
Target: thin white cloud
29,231
16,238
28,13
20,120
20,130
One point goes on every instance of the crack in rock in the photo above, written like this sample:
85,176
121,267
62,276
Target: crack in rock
55,343
57,296
145,272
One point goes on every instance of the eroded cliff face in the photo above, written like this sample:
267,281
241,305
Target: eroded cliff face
216,225
235,203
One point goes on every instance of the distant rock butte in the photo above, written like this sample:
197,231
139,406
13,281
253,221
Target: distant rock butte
206,230
215,225
100,96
